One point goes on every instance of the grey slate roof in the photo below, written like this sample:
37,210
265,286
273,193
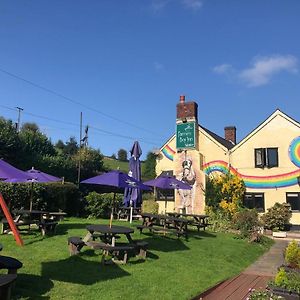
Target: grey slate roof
219,139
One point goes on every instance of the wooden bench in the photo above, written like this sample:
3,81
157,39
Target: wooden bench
47,227
6,283
5,225
10,263
141,227
141,248
199,225
75,244
119,253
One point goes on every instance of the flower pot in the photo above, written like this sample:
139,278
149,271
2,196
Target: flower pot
279,234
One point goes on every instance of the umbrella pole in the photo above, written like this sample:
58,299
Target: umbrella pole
31,195
112,211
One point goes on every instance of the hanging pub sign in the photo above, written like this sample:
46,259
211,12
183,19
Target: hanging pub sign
186,135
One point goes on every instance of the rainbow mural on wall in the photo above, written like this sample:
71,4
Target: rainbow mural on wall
254,182
294,151
168,152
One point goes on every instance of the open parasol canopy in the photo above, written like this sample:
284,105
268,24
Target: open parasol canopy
116,179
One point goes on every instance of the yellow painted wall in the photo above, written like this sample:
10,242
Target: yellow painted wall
278,133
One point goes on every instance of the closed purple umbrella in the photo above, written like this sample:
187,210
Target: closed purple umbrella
117,179
133,197
166,183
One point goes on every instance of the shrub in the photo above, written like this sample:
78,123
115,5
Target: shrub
277,217
262,295
150,206
100,205
292,255
287,280
45,196
220,222
246,221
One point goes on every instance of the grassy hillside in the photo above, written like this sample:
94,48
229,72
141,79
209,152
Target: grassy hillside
114,164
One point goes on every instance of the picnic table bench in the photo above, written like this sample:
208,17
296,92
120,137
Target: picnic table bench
199,221
163,224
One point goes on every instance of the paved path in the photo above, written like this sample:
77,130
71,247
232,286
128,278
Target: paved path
255,276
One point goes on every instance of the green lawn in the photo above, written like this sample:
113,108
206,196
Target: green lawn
175,268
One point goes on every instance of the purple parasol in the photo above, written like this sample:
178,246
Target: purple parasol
40,176
168,182
133,196
12,174
117,179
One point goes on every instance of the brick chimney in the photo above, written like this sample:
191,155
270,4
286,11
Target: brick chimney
186,111
230,134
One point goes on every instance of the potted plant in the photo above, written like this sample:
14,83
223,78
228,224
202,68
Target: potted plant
277,219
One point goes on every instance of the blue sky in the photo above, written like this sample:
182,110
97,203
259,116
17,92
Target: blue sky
124,64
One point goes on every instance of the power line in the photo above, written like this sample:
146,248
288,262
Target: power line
73,101
147,141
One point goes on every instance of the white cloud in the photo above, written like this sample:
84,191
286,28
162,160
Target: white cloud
192,4
264,68
158,66
159,5
222,69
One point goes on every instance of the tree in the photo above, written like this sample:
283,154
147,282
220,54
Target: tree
10,144
122,155
71,147
91,161
149,166
30,126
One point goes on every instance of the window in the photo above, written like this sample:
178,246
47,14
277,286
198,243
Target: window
293,199
255,200
266,157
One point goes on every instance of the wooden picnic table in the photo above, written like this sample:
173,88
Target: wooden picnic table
163,224
200,221
108,236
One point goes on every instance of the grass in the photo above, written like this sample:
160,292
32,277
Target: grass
174,269
114,164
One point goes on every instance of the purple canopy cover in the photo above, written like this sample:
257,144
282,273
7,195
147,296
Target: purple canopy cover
10,173
40,176
168,182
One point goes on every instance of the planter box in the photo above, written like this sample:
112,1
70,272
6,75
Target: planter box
284,293
279,234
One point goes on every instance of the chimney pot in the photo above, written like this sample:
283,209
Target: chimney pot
230,134
182,99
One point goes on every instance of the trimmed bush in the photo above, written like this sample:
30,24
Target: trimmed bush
45,196
292,255
277,217
246,221
100,205
150,206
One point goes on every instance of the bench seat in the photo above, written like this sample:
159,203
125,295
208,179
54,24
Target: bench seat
75,244
6,283
10,263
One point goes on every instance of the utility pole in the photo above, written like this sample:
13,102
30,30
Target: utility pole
79,160
19,117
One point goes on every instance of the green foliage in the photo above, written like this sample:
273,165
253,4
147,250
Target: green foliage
289,280
277,217
45,196
292,255
91,162
10,145
246,221
148,171
262,295
220,222
225,191
114,164
122,155
150,206
100,205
